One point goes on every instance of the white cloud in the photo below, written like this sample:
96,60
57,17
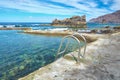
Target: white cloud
34,6
116,5
88,7
105,1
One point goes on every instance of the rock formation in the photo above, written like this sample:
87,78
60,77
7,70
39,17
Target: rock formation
75,21
108,18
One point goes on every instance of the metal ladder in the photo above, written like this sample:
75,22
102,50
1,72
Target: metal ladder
76,38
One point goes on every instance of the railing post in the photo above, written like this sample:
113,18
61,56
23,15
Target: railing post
84,42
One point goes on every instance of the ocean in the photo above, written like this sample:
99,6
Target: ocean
21,54
37,25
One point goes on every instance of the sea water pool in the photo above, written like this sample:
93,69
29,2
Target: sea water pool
21,54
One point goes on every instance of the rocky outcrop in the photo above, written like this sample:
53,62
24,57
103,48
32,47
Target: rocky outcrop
75,21
108,18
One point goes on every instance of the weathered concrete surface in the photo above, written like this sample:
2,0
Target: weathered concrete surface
102,62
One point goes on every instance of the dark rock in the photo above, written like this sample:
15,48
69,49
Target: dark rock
116,27
56,76
107,26
112,76
94,31
106,31
75,21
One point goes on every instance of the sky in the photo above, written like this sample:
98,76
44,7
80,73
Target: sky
48,10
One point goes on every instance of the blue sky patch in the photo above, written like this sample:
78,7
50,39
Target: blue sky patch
47,10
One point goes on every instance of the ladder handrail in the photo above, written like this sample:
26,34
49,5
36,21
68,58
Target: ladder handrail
67,43
76,38
84,41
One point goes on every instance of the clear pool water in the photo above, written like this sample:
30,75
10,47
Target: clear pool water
21,54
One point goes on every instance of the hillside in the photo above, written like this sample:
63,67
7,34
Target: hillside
108,18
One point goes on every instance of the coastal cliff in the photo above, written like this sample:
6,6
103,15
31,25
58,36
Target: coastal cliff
108,18
75,21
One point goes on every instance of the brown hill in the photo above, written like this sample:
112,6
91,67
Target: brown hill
108,18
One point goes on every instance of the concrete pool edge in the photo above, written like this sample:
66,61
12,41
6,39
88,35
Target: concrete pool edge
47,68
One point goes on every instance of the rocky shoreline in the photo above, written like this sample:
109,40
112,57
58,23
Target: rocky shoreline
43,32
101,63
15,28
